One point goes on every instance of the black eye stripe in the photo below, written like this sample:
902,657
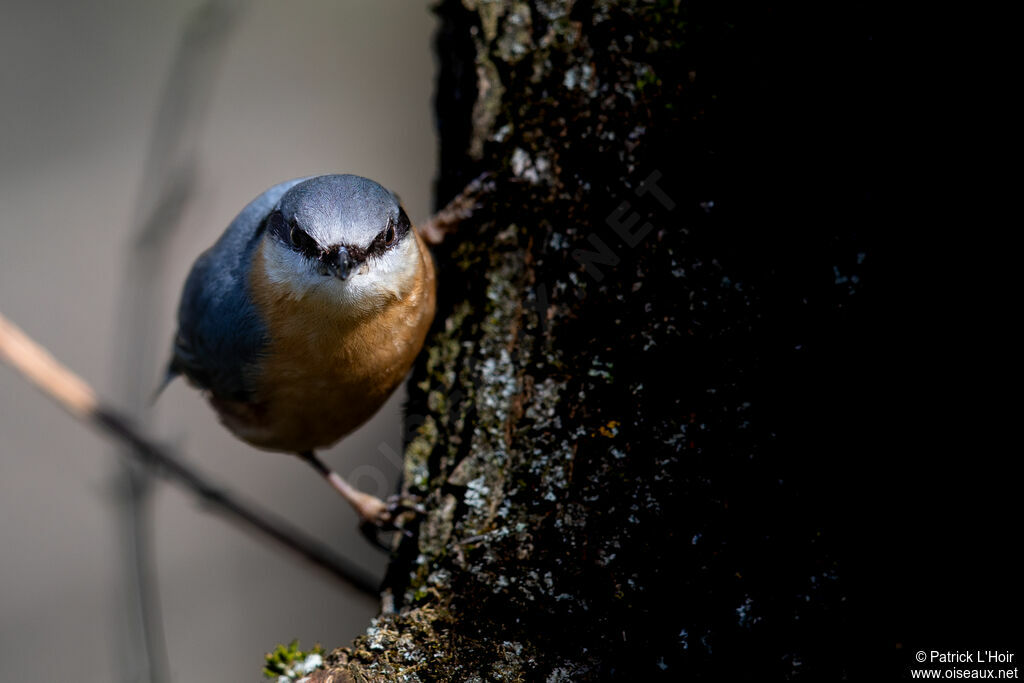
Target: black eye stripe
391,235
301,241
291,233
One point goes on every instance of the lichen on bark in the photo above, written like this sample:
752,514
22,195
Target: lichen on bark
611,487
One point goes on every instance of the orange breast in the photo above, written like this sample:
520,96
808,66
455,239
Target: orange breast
328,369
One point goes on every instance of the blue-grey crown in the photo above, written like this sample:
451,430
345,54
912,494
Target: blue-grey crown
341,209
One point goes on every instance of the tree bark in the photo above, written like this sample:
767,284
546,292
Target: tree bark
631,426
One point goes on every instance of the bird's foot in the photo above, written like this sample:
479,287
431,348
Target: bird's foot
394,514
375,515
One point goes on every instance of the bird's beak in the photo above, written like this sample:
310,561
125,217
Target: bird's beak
340,263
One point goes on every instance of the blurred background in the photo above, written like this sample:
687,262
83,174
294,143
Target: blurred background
267,91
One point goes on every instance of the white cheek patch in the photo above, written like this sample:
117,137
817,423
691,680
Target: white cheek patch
383,279
290,270
376,283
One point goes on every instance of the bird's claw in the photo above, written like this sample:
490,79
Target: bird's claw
391,515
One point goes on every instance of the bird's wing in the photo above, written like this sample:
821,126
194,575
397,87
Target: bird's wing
220,332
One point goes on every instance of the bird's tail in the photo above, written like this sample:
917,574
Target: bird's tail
169,376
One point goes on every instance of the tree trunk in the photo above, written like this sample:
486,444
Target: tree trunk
631,423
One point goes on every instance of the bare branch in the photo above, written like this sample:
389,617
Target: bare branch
166,188
457,210
73,394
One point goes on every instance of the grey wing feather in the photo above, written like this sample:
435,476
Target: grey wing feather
221,334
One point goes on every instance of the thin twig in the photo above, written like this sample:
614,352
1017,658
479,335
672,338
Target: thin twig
166,187
460,208
77,398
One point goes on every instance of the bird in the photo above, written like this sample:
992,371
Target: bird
305,315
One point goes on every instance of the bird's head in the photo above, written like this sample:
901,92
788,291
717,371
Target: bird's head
344,237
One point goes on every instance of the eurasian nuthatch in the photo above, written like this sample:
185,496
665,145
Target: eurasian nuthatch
305,315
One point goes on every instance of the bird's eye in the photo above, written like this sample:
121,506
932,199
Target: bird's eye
390,235
301,240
